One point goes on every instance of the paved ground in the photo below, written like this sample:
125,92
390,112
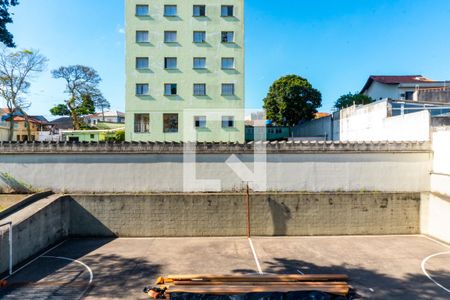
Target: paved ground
387,267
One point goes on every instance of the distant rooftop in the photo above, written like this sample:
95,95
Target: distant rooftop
398,79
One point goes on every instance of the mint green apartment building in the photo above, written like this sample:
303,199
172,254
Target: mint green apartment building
185,70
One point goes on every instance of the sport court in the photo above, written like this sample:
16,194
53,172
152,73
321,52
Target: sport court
379,267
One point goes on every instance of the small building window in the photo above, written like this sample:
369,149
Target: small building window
227,63
141,89
170,10
199,11
170,123
170,89
141,123
200,122
227,37
409,95
227,121
228,89
199,63
170,36
142,63
141,36
170,63
142,10
92,136
199,89
199,36
227,11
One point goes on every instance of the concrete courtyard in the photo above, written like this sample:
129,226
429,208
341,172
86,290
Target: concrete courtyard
380,267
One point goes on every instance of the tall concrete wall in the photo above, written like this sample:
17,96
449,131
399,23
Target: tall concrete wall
35,227
178,215
311,167
435,207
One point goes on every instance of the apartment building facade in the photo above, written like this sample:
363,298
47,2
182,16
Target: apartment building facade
185,70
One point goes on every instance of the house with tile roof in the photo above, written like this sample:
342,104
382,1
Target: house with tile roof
38,124
406,87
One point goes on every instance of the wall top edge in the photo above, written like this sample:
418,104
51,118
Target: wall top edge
212,148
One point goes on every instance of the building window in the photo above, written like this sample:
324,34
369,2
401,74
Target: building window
199,36
200,122
170,10
142,10
227,121
170,89
170,122
141,89
409,95
227,11
227,63
170,63
141,36
141,123
228,89
92,136
227,37
199,10
199,63
170,36
199,89
142,63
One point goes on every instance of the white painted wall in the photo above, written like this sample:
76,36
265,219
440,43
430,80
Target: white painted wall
133,173
435,207
372,123
378,91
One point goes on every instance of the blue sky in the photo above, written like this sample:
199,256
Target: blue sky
335,44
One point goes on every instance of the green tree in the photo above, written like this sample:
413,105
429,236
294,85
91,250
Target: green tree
351,99
17,69
82,86
60,110
5,18
290,100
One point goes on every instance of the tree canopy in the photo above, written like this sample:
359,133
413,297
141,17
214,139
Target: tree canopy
351,99
5,18
17,69
82,86
291,99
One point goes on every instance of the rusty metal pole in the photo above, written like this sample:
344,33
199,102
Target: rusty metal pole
247,196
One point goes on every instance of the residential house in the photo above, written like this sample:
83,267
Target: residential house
115,117
185,70
409,87
39,126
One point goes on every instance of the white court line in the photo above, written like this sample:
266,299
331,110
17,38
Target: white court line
91,275
33,260
436,241
256,257
300,272
424,270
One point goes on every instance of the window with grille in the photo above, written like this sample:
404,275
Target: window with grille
142,89
170,123
141,36
199,89
141,123
228,89
199,36
170,89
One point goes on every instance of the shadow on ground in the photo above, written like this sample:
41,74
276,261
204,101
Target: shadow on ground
115,275
382,286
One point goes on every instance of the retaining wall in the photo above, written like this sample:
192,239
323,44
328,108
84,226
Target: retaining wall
279,214
35,227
